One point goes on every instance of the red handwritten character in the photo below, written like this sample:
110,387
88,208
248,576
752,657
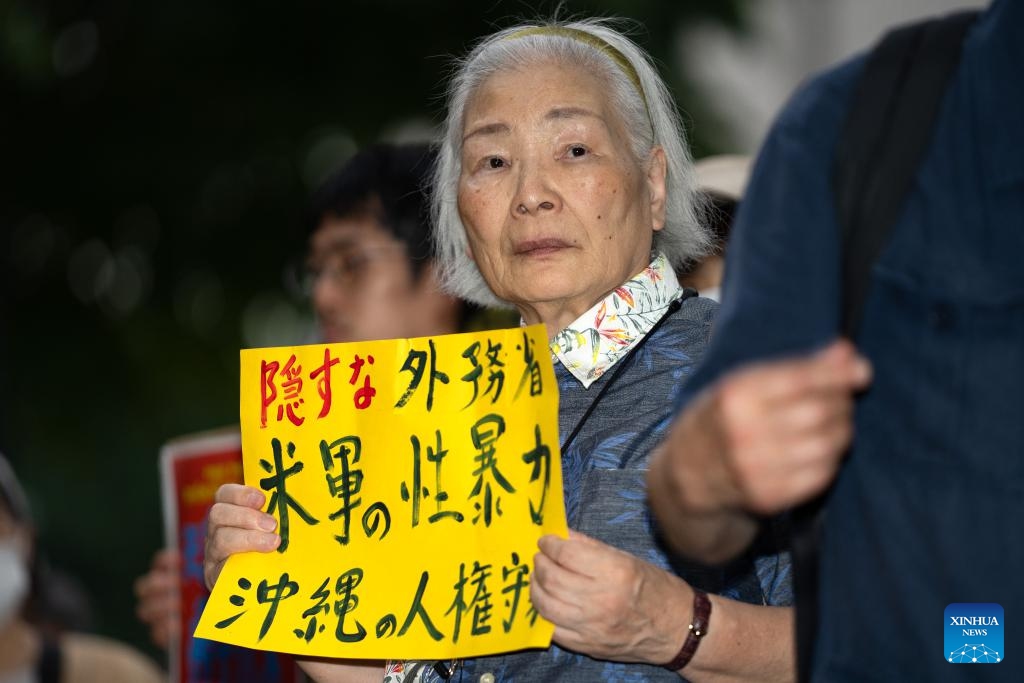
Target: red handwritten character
364,395
292,387
323,387
268,392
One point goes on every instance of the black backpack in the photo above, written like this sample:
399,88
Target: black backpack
883,141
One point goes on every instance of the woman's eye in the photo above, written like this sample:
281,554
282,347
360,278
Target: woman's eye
495,162
577,151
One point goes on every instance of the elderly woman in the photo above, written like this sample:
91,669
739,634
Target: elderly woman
563,188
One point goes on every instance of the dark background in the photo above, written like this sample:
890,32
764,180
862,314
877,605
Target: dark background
156,156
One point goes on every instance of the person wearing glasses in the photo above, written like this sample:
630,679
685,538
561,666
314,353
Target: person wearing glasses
369,274
564,189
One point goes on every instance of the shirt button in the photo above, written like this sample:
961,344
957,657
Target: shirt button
487,677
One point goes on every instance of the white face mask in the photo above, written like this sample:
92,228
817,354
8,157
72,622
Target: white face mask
14,580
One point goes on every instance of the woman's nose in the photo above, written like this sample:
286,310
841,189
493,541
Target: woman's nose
535,193
543,206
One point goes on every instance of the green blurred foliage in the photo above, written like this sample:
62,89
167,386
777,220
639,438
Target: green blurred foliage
157,157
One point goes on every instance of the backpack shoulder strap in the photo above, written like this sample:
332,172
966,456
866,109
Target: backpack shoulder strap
884,139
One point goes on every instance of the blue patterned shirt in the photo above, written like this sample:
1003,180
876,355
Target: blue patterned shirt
604,468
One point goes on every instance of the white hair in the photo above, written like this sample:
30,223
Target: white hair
636,92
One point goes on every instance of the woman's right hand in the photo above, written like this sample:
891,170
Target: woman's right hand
236,524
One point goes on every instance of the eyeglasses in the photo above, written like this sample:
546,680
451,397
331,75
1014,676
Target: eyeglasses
345,267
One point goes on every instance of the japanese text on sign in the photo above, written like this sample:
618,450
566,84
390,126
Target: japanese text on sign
411,480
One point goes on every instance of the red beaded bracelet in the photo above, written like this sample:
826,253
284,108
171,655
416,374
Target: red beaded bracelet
698,629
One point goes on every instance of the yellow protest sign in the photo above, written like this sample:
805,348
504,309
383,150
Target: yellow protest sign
411,480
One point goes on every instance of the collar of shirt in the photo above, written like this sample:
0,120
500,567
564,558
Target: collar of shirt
604,334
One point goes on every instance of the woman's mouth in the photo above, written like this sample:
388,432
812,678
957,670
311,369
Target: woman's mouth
541,247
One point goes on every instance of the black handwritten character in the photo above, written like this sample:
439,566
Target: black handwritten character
238,601
280,500
417,610
416,363
474,372
485,433
386,626
345,588
346,486
532,370
374,516
321,595
323,386
273,595
495,376
265,594
540,458
364,395
348,483
416,492
514,589
480,603
291,386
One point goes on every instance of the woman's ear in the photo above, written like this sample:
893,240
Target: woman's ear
657,170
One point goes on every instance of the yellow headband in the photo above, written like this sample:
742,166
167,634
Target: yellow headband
593,41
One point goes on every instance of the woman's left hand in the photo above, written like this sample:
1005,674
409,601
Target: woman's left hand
608,604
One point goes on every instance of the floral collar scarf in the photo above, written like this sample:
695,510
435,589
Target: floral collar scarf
604,334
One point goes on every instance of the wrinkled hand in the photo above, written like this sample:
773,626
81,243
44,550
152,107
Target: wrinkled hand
236,525
608,604
771,435
157,593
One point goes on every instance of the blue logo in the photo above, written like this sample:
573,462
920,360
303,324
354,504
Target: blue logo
974,633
